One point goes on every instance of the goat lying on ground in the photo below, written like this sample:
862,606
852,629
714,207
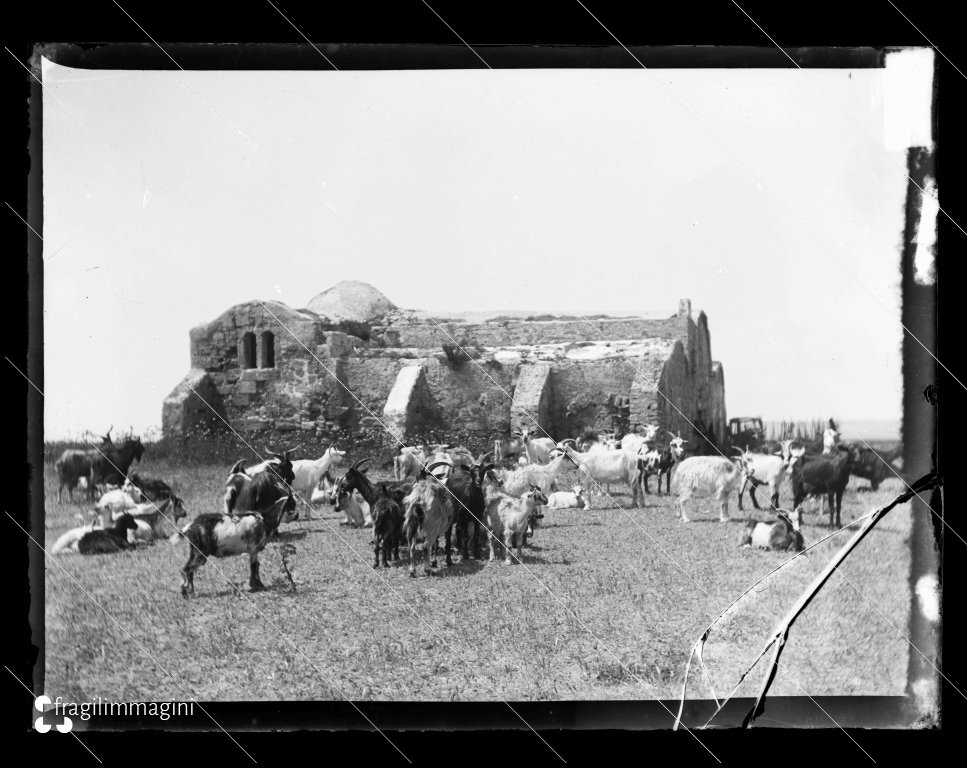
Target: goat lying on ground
782,535
214,534
714,475
573,499
355,509
157,521
325,492
100,541
146,488
67,541
112,503
509,518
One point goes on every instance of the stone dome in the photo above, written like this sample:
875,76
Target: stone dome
351,300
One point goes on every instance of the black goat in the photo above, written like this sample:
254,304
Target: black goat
466,485
110,540
820,475
111,463
385,506
149,488
387,513
868,464
246,494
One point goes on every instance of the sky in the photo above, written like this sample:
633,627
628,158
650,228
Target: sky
773,199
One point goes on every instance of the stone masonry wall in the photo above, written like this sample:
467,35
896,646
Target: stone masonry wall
319,376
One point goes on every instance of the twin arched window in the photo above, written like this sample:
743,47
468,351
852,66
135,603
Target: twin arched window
266,350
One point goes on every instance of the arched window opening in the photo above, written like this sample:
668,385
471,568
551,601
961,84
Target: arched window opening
268,350
248,350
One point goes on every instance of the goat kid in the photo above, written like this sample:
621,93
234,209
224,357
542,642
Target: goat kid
101,541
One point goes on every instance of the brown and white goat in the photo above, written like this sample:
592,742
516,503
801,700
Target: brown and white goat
218,535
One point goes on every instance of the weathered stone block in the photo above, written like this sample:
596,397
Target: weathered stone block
246,387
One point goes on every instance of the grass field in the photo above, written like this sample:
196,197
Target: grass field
599,611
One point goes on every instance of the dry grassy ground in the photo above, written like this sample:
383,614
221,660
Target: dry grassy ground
475,631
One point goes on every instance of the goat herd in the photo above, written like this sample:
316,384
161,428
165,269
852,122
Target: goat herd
437,489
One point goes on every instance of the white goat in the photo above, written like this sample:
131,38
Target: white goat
508,520
782,535
769,469
325,492
538,449
714,475
633,443
428,515
112,504
408,463
573,499
605,467
309,473
355,508
67,542
155,521
830,439
519,481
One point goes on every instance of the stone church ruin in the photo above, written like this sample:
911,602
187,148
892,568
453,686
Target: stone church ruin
290,373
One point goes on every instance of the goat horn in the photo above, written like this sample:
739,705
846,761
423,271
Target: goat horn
483,456
361,461
436,464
